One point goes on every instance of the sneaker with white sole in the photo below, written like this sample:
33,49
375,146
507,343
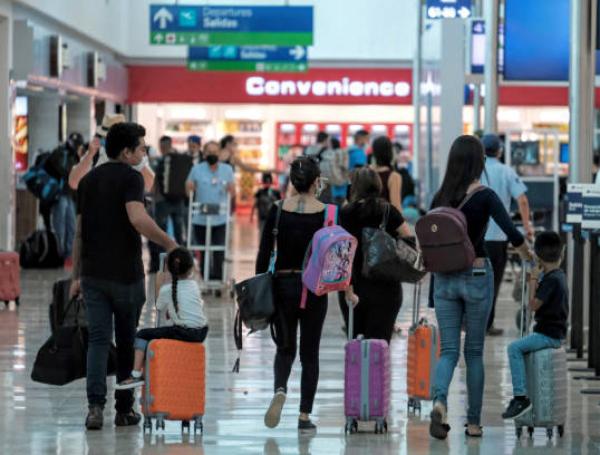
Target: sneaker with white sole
130,383
273,414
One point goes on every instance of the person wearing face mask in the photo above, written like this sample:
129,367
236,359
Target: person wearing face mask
212,182
107,258
96,155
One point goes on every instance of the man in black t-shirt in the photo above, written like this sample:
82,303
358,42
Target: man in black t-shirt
108,259
551,306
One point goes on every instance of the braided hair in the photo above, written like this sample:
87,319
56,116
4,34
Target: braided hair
179,263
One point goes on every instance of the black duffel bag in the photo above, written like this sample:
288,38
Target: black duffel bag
63,357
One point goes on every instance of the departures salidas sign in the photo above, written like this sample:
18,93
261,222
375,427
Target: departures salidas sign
343,87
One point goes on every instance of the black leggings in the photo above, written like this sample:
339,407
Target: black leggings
498,254
379,304
288,292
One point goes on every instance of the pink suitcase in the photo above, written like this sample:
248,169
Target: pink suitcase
10,271
367,384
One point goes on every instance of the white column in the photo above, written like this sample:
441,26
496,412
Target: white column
43,121
79,117
7,173
490,11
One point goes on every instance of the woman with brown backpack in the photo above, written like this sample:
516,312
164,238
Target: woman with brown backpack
464,282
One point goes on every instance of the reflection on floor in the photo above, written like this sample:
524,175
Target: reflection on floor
38,419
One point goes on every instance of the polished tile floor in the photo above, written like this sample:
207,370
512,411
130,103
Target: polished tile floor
38,419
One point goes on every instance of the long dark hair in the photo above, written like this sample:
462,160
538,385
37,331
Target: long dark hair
303,173
179,263
466,163
365,184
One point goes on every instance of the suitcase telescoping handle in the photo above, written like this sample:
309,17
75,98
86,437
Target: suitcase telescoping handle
162,268
525,296
350,319
416,303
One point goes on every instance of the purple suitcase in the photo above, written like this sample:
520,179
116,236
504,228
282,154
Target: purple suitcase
367,384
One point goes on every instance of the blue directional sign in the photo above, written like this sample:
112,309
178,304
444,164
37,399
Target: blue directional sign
448,9
591,207
204,25
248,58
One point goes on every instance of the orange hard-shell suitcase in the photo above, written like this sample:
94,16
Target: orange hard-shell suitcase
175,383
10,271
423,354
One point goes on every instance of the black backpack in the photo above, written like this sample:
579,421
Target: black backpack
40,251
171,174
264,202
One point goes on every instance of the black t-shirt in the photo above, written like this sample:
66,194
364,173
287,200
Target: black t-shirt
111,247
296,231
551,318
264,200
368,213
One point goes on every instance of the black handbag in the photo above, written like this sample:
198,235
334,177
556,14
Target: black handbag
63,357
388,260
256,303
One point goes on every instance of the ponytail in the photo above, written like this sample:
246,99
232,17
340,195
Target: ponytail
179,262
174,293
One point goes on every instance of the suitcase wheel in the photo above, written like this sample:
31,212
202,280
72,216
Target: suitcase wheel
185,424
549,432
519,432
380,426
414,404
198,426
147,424
160,423
351,426
561,431
530,432
17,301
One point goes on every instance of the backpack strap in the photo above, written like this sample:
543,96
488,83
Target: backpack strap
275,234
331,215
468,196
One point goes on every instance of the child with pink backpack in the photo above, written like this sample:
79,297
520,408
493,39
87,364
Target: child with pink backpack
313,256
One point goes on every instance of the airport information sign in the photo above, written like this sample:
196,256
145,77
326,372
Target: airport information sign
248,58
448,9
204,25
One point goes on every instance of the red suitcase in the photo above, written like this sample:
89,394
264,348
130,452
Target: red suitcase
10,284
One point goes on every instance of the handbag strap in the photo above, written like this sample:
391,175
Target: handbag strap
275,231
386,216
237,336
468,196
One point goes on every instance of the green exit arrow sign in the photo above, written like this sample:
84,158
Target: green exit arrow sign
267,67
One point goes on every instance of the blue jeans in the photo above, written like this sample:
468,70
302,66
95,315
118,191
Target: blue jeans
105,300
464,295
63,224
516,356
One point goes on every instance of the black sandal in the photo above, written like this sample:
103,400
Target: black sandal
473,435
437,428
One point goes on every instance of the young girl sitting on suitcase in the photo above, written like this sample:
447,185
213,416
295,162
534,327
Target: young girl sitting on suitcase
550,301
182,303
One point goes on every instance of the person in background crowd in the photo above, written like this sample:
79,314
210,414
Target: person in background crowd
107,258
194,143
301,216
597,168
377,302
322,143
404,168
166,206
264,200
508,186
338,168
59,165
96,155
213,183
467,296
357,153
390,179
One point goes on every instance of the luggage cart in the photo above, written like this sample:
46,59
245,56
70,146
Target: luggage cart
226,284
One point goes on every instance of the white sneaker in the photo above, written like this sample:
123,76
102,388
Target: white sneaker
273,414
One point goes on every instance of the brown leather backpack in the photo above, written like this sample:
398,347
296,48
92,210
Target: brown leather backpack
444,238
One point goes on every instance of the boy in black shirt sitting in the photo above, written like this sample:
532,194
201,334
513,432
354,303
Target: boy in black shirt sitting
550,303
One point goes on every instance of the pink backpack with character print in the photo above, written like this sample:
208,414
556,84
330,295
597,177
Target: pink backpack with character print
329,257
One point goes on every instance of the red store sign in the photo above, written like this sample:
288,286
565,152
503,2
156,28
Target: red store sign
170,84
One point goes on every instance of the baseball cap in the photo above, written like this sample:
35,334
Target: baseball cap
491,142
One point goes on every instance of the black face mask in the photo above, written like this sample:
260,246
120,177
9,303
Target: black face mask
212,159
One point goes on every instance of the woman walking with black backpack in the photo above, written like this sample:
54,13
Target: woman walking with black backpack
466,295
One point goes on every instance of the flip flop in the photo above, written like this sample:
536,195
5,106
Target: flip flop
437,428
473,435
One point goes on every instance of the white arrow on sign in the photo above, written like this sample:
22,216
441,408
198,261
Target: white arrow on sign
163,16
464,12
297,52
